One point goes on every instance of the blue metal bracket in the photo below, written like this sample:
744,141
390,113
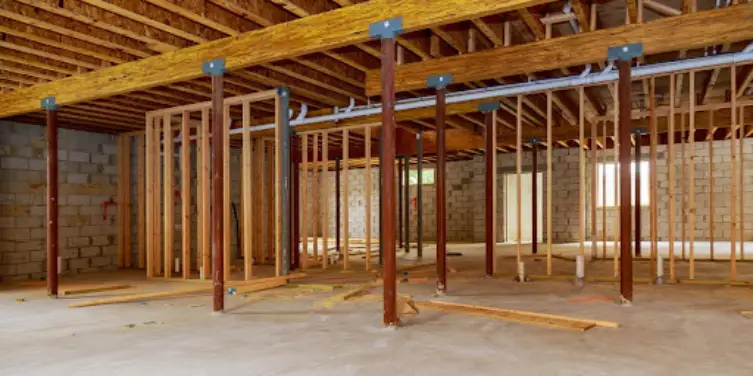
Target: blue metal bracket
626,52
48,103
488,107
639,131
386,29
439,81
534,141
214,67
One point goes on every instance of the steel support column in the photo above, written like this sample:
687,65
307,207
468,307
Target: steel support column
283,105
295,186
489,151
440,83
48,104
216,68
400,239
387,31
624,56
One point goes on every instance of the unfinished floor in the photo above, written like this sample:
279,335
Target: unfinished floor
670,329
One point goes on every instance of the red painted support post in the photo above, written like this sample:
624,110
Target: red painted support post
387,31
624,56
489,185
216,68
52,196
489,151
439,83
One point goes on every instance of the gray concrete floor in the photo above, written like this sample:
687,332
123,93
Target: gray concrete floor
670,330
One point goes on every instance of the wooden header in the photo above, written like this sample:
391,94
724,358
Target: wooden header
696,30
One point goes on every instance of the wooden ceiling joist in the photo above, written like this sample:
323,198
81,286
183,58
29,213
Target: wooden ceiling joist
698,30
312,34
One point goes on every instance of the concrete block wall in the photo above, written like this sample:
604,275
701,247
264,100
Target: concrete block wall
466,196
87,178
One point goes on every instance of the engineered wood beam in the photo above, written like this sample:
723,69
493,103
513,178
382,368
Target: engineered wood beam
533,24
308,35
632,10
700,29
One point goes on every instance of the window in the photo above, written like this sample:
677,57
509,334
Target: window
609,171
427,176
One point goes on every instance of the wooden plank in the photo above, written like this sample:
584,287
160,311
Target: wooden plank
315,197
493,151
324,192
119,220
248,231
671,178
185,195
616,207
691,174
127,201
95,289
604,193
518,171
205,197
742,182
320,32
548,183
367,198
258,199
227,224
304,174
733,185
653,135
526,317
683,183
581,174
149,201
346,234
594,195
271,211
168,195
712,216
157,210
141,215
698,30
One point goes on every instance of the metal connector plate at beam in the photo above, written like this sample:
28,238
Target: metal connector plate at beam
626,52
439,81
639,131
534,141
488,107
48,103
214,67
386,29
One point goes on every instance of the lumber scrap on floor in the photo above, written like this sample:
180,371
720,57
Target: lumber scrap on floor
95,289
242,287
525,317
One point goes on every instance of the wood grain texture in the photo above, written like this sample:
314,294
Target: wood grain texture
185,195
303,36
168,196
698,30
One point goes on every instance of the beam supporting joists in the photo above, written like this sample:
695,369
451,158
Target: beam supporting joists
303,36
49,105
699,29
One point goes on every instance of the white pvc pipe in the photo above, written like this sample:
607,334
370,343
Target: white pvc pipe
510,90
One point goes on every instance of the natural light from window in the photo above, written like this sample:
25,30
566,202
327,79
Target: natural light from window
608,170
427,176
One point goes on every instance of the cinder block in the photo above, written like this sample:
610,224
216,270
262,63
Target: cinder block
100,261
78,156
78,264
32,245
14,163
78,200
90,251
15,257
29,267
79,241
78,178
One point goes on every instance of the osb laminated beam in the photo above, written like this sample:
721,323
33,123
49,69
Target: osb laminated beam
316,33
719,26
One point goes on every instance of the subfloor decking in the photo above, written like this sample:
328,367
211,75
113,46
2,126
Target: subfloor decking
670,329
